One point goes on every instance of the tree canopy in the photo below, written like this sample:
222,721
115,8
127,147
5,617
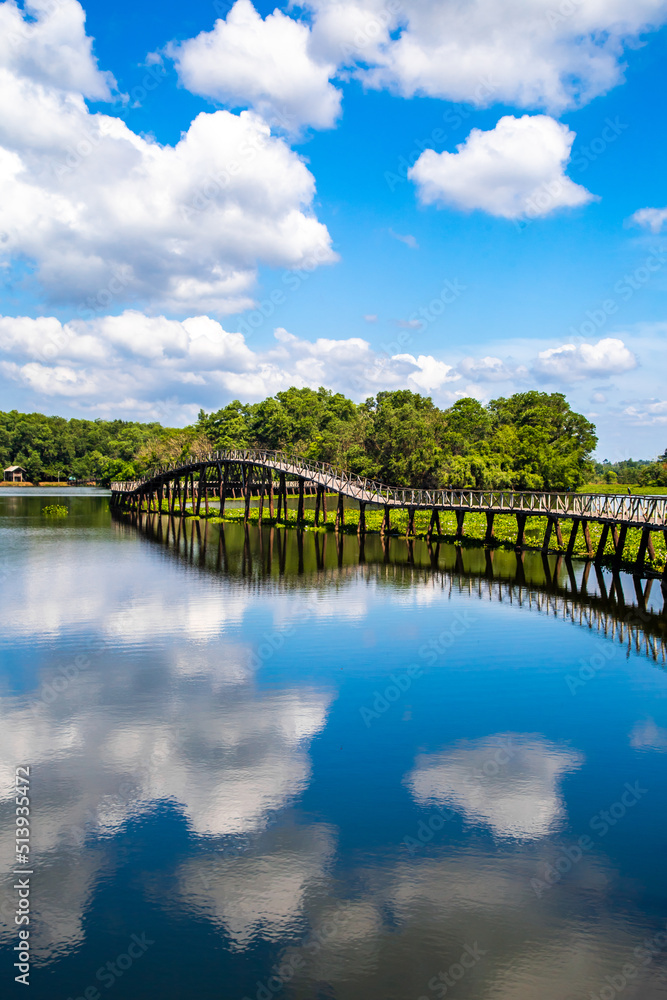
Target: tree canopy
532,440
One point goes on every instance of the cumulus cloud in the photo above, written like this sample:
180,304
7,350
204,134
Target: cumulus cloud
106,216
515,170
152,367
607,357
491,369
647,412
51,49
485,51
650,218
264,64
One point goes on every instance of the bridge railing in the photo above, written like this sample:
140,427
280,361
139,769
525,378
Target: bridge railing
618,508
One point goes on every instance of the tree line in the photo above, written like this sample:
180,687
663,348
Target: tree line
531,440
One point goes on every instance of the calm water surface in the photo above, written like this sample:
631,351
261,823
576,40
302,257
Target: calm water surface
263,765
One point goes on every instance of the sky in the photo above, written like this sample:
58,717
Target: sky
213,201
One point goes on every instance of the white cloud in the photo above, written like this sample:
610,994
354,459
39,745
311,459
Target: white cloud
51,49
490,369
107,216
408,239
607,357
264,64
650,218
429,374
647,412
151,367
515,170
485,51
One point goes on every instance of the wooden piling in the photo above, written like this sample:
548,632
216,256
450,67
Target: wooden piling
247,476
340,513
361,527
587,538
573,537
643,546
299,511
489,536
602,543
411,522
520,530
385,527
618,556
318,502
460,519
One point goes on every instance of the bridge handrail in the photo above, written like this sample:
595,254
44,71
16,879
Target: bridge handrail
619,507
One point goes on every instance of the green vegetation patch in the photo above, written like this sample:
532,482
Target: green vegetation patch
55,510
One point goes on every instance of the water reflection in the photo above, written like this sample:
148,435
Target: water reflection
190,702
622,607
509,782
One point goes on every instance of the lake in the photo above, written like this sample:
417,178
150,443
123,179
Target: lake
265,763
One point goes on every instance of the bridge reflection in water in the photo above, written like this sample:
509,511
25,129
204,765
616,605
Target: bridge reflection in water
623,607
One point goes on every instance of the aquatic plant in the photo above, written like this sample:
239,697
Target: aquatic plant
55,510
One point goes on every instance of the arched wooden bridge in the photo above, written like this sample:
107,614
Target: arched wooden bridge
265,474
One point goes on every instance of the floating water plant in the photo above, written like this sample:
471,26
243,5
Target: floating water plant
55,510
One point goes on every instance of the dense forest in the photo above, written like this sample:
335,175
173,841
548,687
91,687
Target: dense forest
532,440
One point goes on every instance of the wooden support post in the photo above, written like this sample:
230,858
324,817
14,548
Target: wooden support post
271,497
160,495
520,530
602,543
572,539
460,518
618,557
587,538
247,473
200,483
340,513
324,505
641,554
361,527
318,502
559,533
299,510
224,475
261,503
205,497
282,493
433,523
489,536
547,535
411,521
385,527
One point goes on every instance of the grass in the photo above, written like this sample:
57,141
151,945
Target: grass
505,529
622,488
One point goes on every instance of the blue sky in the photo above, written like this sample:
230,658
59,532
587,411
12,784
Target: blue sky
204,202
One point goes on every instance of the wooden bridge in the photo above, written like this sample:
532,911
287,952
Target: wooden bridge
266,474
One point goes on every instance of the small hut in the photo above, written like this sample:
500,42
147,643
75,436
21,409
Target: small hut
14,474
